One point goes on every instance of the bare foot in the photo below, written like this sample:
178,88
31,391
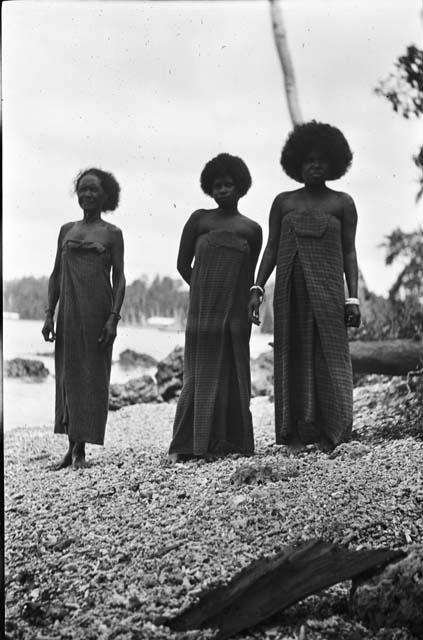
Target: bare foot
78,456
211,457
173,458
296,446
65,462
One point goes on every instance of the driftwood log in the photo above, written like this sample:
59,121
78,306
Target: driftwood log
269,585
388,357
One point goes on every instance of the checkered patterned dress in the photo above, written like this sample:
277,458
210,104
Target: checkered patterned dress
82,364
213,414
313,375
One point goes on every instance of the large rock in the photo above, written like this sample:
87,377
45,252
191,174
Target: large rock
131,359
170,373
22,368
262,375
393,598
135,391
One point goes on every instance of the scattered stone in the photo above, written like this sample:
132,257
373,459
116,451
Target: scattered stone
170,374
129,359
135,391
258,473
394,598
352,449
22,368
262,375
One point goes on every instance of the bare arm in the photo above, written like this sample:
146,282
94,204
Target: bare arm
118,273
349,227
54,280
256,248
268,260
108,334
187,247
54,288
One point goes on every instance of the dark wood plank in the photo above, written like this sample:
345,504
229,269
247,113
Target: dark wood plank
269,585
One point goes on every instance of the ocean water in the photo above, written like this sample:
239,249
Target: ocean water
31,404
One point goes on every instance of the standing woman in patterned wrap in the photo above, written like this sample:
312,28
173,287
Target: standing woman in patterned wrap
213,414
88,314
312,243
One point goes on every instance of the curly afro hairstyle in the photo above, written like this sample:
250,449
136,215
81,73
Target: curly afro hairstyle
108,182
226,165
329,141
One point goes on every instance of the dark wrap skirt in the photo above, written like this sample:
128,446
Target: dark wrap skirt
82,364
313,374
213,414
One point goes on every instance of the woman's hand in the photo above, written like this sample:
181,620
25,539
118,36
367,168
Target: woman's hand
352,315
253,308
108,334
48,329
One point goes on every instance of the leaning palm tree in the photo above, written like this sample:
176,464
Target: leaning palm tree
281,42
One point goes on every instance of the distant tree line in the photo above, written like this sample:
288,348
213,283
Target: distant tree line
164,296
27,296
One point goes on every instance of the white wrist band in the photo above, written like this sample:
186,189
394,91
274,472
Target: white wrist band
258,288
352,301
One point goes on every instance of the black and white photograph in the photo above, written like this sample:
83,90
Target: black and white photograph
212,319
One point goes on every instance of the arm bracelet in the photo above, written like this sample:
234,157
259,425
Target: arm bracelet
352,301
258,288
115,313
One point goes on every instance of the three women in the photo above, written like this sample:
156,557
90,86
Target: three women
312,244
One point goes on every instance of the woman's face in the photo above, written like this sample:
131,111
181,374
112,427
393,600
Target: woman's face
224,192
91,195
315,168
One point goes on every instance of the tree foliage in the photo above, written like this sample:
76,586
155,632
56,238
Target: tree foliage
406,294
409,247
27,296
164,296
403,88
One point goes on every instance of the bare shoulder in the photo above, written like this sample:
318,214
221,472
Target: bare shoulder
285,199
251,224
199,214
68,225
348,206
65,228
198,219
112,228
342,196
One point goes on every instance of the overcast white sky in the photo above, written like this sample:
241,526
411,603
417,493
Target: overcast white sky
152,90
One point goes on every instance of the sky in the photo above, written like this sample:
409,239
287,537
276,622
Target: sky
152,90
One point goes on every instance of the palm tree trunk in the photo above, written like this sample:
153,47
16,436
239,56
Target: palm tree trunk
279,33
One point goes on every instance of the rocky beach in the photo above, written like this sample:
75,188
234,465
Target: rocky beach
108,552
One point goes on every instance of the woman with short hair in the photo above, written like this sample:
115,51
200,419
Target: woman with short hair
312,243
89,305
213,416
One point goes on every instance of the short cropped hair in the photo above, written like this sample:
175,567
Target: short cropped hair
327,140
108,182
226,165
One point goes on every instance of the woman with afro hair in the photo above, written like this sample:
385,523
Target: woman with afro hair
89,305
213,414
312,244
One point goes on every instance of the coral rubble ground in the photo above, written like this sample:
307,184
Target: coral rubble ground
104,552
